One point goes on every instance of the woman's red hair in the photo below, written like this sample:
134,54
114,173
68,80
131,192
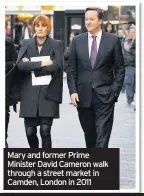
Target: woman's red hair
44,20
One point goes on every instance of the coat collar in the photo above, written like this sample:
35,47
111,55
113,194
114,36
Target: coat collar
45,48
32,45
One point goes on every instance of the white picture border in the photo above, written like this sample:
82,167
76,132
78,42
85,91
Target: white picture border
2,98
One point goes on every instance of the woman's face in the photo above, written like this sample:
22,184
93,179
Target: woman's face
40,30
109,28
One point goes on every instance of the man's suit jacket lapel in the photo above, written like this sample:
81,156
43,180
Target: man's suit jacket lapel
85,48
101,49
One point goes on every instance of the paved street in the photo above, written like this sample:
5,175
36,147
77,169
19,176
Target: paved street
67,133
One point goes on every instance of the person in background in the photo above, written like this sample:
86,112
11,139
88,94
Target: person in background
109,27
39,103
10,58
18,32
72,35
7,29
27,31
128,47
122,36
67,51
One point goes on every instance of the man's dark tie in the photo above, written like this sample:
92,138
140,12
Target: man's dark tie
93,54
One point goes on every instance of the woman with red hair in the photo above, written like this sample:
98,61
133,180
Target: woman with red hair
39,103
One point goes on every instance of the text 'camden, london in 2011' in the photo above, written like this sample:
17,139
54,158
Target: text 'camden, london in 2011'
95,169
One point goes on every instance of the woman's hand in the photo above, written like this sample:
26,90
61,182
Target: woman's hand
46,63
25,59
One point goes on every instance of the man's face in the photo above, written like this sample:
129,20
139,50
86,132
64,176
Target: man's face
92,21
120,33
131,33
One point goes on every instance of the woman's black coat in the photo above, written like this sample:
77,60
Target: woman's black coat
43,99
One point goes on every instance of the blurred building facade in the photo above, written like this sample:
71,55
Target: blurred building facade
64,19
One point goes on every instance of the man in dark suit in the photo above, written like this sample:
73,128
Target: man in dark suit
11,57
95,77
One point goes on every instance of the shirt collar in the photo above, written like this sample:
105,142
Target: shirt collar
42,43
99,34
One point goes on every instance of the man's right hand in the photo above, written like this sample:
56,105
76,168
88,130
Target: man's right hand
74,99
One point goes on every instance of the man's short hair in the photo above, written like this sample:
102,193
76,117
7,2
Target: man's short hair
121,29
131,27
99,11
